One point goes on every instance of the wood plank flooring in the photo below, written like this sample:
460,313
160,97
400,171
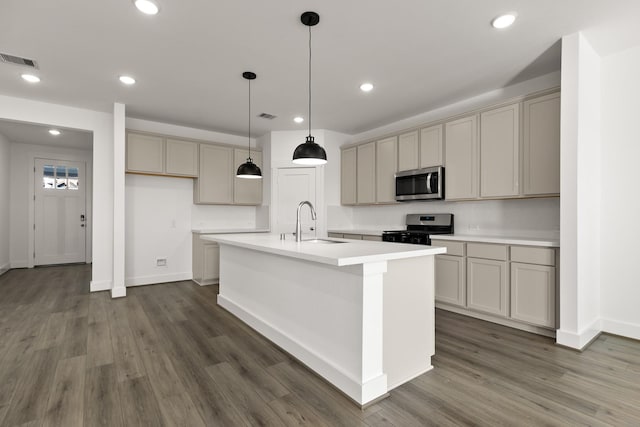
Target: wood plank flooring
168,355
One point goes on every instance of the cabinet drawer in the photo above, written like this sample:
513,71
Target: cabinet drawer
487,251
336,235
453,248
372,238
533,255
353,236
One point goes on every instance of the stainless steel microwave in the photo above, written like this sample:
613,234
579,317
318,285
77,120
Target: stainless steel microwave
420,184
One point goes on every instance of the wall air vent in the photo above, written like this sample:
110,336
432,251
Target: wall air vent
267,116
10,59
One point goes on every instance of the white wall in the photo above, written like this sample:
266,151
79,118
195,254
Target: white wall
5,174
580,189
620,201
21,197
160,214
101,124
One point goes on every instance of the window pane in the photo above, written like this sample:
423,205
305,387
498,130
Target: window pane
61,183
61,171
47,182
48,170
72,172
73,183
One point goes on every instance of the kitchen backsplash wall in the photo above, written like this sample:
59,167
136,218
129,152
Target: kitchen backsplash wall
524,217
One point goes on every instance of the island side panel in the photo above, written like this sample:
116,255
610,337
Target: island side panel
409,319
312,310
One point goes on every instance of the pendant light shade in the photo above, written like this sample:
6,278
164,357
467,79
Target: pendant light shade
309,153
248,169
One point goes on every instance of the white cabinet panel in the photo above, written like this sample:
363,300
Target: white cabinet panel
181,158
408,151
386,167
145,153
431,146
450,284
500,152
461,158
541,145
348,170
487,289
366,173
533,292
215,182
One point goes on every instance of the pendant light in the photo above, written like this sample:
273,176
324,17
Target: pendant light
309,153
249,169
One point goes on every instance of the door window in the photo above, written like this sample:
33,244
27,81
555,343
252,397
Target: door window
60,177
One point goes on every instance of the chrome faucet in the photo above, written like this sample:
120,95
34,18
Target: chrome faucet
298,232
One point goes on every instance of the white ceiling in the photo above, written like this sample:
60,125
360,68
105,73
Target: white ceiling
188,60
30,133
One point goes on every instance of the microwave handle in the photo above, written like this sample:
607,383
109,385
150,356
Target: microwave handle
429,183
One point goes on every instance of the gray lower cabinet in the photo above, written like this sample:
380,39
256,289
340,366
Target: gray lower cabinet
451,283
205,261
487,289
335,235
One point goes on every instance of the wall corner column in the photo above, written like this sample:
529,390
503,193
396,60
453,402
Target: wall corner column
119,144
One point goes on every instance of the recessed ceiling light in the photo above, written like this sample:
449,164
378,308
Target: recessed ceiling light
298,119
54,132
30,78
127,80
147,7
504,21
366,87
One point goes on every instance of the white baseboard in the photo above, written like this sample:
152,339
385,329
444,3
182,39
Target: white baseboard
100,285
160,278
581,340
361,393
119,292
625,329
19,264
4,268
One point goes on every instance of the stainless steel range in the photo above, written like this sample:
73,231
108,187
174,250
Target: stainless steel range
420,227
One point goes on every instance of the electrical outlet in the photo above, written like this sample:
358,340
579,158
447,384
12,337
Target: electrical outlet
161,262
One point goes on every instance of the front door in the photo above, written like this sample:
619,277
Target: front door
293,186
60,218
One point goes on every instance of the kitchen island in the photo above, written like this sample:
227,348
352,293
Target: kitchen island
358,313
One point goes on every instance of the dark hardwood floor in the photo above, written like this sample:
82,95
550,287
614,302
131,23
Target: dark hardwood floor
167,355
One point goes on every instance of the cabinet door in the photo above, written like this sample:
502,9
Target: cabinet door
348,176
541,145
246,191
487,286
450,280
366,173
215,181
335,235
431,146
145,153
533,294
386,167
461,159
500,152
211,257
408,151
352,236
182,158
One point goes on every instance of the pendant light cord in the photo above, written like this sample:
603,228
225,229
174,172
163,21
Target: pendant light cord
249,120
309,80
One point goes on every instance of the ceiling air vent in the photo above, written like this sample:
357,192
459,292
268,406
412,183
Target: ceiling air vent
10,59
267,116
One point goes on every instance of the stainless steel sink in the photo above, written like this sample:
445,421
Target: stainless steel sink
322,241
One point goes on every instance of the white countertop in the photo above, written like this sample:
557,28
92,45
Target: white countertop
504,240
360,231
351,252
228,230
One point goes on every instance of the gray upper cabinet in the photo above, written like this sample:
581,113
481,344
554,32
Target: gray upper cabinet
348,167
181,158
408,151
145,153
215,182
366,173
246,191
157,155
431,146
461,158
500,152
541,145
386,167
